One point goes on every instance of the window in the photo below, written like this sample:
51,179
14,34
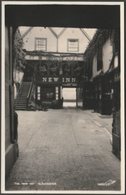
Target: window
57,93
41,44
73,45
38,93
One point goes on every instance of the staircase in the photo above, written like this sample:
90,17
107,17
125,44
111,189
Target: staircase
21,100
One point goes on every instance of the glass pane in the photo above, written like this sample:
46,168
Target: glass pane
40,44
38,89
56,90
56,96
38,96
73,45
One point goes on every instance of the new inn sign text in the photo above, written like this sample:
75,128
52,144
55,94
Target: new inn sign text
63,80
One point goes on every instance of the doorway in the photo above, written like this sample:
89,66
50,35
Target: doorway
69,97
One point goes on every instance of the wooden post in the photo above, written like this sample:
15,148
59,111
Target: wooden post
11,83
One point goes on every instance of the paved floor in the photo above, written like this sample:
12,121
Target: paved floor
65,149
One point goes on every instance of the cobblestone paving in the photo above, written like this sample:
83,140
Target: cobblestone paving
65,149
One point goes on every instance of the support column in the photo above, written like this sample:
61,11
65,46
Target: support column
11,144
116,135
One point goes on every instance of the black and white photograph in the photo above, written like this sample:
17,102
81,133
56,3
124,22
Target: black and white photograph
62,97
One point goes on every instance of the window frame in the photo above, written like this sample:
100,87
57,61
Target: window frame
68,48
39,38
38,92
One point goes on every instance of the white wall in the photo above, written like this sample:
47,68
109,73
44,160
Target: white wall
69,33
72,33
18,77
107,54
116,61
90,32
94,68
40,32
69,93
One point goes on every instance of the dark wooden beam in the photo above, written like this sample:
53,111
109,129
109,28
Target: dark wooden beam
80,16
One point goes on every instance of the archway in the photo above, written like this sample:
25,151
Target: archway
25,19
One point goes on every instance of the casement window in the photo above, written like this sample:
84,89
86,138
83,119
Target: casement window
38,93
41,44
57,93
72,45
